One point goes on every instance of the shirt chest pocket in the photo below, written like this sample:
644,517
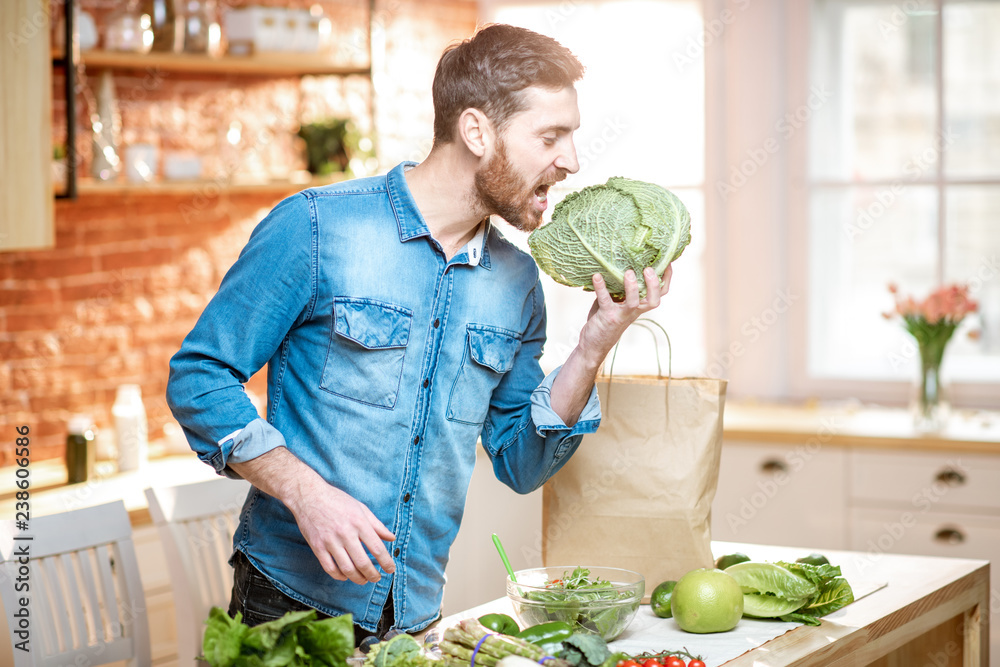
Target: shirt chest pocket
364,361
489,353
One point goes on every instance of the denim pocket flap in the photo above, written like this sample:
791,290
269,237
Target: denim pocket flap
493,348
372,324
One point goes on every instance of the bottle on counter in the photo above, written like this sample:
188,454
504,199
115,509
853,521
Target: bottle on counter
130,428
80,448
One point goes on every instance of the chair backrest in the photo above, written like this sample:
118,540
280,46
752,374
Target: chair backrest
196,524
76,577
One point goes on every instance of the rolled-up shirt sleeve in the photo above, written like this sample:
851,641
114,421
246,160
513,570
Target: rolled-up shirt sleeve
526,440
545,419
255,439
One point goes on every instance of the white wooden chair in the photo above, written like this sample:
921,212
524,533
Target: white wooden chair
86,603
196,524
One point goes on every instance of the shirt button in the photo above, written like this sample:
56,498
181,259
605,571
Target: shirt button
406,498
396,552
427,383
416,440
437,323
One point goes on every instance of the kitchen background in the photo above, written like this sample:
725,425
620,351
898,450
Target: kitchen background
825,148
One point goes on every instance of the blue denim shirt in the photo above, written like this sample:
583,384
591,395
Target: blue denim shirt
386,362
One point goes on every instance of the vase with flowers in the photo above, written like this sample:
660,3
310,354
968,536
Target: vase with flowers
932,322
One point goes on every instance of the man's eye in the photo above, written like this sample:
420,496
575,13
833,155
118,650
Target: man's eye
549,140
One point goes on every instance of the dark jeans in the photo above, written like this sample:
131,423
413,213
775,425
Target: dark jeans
260,601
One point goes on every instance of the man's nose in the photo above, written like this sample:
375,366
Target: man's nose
567,160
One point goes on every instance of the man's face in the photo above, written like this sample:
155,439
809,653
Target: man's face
533,152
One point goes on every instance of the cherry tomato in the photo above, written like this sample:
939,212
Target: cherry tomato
673,661
696,663
651,662
628,663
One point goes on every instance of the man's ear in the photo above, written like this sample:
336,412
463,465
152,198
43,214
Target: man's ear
475,131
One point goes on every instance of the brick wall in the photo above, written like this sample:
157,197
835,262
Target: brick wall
129,274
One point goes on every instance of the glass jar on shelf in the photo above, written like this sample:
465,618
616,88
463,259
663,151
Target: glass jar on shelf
129,29
202,33
166,24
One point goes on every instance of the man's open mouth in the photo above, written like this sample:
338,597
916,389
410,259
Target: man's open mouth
542,192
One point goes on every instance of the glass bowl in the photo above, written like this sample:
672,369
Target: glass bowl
605,607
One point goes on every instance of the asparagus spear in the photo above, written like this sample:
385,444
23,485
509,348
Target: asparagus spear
460,641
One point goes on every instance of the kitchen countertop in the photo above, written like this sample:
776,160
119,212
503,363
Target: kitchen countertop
855,425
846,424
930,611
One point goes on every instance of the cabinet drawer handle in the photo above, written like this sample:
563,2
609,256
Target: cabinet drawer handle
773,466
949,536
951,477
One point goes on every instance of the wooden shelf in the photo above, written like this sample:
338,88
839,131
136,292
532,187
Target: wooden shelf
87,187
270,64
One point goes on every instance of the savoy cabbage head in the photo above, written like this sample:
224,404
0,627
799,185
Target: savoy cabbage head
606,229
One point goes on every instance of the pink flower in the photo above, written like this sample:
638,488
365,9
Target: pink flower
947,304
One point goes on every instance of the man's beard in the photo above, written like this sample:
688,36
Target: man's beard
502,191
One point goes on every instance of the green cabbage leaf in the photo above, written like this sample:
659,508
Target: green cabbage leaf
607,229
770,591
796,592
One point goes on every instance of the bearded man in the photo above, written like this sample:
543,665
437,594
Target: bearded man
398,327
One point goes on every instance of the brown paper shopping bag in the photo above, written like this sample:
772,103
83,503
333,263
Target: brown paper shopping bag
638,493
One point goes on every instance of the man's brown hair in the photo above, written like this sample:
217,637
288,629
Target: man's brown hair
490,71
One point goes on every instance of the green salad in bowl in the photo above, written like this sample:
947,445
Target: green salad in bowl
599,600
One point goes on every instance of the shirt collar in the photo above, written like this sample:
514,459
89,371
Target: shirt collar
476,248
408,218
411,223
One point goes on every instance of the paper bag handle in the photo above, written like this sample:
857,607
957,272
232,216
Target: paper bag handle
643,322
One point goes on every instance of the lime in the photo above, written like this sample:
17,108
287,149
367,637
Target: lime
814,559
731,559
707,601
660,599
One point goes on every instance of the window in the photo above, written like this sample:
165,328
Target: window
904,180
643,116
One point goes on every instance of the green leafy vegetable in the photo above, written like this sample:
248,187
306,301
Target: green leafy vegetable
594,606
797,592
223,637
296,639
400,651
584,650
606,229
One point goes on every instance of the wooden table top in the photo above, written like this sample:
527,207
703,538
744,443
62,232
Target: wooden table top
921,594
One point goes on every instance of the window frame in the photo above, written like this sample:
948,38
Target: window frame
802,385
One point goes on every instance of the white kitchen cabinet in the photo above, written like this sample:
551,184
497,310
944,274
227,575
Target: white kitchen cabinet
925,481
782,494
26,207
943,503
